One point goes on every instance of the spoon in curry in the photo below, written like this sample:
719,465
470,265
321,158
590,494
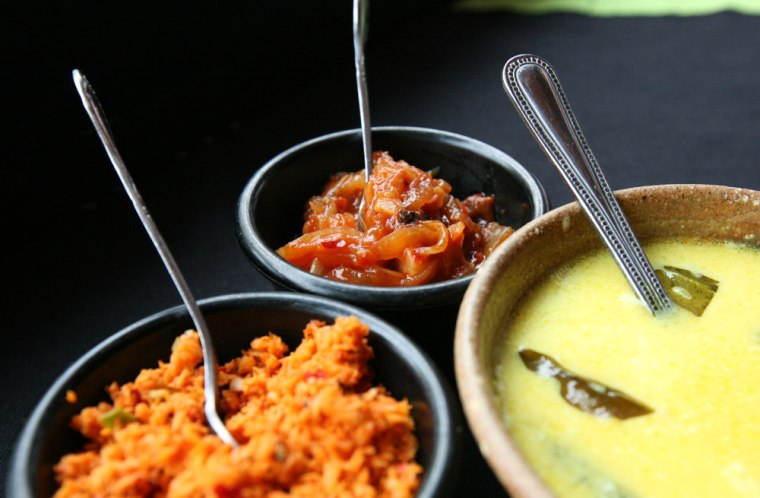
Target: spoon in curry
210,387
536,93
361,8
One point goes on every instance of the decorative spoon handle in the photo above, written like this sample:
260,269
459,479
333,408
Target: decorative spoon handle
210,387
535,90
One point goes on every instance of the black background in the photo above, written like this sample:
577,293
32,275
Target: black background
200,96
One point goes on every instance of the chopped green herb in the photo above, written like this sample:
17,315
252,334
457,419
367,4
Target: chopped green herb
116,415
689,290
586,395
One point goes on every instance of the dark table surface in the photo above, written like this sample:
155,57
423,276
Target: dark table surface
200,98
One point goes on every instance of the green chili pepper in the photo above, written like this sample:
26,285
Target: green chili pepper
116,414
586,395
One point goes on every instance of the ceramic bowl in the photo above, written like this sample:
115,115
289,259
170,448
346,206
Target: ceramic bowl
234,321
559,237
271,207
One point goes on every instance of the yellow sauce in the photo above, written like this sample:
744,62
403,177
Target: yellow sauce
701,375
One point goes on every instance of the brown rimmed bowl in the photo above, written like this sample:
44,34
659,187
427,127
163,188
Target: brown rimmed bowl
534,251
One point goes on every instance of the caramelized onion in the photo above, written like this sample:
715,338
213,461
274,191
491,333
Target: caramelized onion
416,231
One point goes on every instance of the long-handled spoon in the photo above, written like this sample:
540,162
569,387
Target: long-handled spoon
361,8
210,388
535,91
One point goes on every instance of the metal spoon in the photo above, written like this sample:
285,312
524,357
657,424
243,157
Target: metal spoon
210,387
535,91
361,8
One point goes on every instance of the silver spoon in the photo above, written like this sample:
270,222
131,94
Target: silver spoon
535,91
210,387
361,8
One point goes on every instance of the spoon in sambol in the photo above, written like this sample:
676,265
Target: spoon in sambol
210,387
361,8
534,88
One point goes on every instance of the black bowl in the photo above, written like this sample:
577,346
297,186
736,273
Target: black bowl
271,207
234,321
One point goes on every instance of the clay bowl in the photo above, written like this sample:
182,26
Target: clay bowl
271,206
234,321
560,236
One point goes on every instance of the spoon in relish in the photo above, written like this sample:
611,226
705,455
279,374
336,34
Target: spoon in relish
361,8
210,387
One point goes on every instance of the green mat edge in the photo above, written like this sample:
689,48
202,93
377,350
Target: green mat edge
641,8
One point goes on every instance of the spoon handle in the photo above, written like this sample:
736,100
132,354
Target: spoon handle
211,389
535,90
361,12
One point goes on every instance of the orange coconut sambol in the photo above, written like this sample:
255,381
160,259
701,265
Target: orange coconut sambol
415,232
309,423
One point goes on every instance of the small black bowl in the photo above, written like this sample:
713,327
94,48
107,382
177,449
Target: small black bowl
234,321
271,208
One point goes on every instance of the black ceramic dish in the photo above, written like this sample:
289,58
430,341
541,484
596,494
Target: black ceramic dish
234,320
271,207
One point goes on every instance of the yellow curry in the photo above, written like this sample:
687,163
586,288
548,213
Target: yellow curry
696,380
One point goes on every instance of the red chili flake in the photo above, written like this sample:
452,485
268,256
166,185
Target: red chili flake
222,491
333,243
318,374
